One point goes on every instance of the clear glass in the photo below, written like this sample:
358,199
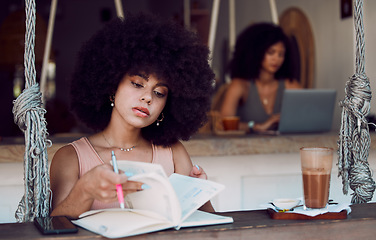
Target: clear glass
316,163
231,123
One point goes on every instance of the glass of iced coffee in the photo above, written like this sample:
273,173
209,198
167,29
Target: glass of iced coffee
316,165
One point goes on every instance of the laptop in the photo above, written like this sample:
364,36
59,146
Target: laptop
307,111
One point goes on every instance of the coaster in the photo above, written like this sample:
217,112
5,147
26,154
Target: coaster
296,216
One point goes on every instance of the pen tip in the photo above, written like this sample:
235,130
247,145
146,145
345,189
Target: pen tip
112,153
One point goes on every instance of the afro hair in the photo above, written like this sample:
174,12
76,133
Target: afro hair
250,48
147,44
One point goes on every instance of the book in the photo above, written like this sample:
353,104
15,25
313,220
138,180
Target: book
169,202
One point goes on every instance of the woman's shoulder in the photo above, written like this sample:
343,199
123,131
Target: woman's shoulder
67,154
67,151
292,84
65,160
239,85
177,147
182,161
161,148
240,82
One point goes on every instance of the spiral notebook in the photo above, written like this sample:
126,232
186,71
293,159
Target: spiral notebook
307,111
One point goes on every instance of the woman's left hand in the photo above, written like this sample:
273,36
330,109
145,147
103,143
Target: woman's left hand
198,172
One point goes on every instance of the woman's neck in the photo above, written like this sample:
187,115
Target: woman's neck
125,145
122,136
265,77
267,87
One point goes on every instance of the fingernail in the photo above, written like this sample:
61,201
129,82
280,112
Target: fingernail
145,186
197,167
129,174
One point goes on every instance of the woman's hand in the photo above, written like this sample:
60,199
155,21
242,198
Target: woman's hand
198,172
100,184
267,125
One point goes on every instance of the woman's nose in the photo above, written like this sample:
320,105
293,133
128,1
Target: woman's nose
146,98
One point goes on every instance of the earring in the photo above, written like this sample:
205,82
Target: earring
112,100
160,120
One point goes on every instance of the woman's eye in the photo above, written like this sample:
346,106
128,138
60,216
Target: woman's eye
137,85
159,94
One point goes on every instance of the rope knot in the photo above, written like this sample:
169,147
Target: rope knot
361,183
358,93
358,98
29,100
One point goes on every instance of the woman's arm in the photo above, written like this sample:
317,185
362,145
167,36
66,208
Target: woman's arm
183,165
72,195
233,96
64,175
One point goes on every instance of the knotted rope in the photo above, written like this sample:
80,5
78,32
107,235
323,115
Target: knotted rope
354,140
29,116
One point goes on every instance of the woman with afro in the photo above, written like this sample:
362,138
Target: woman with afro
260,70
142,84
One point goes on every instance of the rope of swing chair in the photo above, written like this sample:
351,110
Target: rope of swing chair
354,140
29,116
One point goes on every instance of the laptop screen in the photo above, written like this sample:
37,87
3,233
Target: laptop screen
307,110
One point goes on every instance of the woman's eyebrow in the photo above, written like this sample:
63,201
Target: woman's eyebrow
162,84
144,76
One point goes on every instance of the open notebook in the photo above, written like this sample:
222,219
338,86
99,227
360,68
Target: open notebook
170,202
307,111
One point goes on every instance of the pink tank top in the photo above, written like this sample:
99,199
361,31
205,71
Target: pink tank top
88,158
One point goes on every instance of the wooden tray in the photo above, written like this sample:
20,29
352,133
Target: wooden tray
296,216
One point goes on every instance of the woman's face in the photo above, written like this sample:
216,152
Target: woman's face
139,100
273,58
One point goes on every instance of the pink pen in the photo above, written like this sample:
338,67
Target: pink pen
119,188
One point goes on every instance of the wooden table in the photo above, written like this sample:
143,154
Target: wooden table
360,224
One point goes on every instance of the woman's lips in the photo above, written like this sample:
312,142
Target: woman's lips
275,65
141,111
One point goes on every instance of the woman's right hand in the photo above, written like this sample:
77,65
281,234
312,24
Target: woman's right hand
267,125
100,184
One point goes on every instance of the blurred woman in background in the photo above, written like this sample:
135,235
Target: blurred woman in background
261,69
